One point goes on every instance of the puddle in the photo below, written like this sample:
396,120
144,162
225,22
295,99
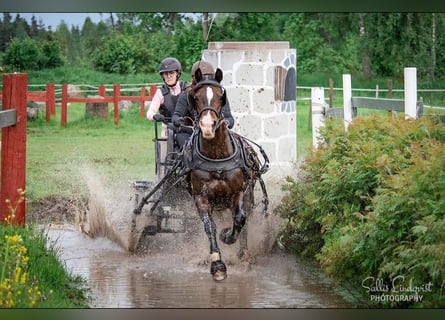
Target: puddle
119,279
173,272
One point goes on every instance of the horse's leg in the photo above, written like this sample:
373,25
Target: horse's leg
230,235
217,267
248,201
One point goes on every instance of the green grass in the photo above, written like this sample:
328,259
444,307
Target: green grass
304,129
32,275
57,156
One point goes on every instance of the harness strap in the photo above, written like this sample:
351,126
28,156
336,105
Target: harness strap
194,159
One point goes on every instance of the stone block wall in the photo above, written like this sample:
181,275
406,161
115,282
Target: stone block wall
260,79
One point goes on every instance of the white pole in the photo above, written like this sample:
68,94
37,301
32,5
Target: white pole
410,93
317,109
347,102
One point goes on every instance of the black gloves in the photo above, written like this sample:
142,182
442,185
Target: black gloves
158,117
178,122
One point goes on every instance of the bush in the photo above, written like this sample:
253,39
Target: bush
122,54
370,204
28,54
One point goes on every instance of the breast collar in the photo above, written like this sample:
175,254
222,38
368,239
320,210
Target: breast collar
195,160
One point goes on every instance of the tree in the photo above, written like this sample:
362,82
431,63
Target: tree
50,55
63,36
122,54
21,27
6,31
22,54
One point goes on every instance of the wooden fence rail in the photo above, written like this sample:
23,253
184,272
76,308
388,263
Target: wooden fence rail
115,98
49,98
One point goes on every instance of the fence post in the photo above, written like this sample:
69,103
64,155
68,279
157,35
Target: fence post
389,89
153,89
13,148
331,93
142,104
347,100
50,101
317,108
410,93
102,91
116,97
63,115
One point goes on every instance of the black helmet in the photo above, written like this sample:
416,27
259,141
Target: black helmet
170,64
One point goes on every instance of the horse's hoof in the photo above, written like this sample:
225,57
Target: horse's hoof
226,236
219,276
218,270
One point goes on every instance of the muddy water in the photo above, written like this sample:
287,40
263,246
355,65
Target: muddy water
174,272
169,279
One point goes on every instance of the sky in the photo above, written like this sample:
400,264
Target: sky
54,19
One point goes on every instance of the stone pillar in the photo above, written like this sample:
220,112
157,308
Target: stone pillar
260,79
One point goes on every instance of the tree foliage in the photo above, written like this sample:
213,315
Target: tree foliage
122,54
28,54
371,44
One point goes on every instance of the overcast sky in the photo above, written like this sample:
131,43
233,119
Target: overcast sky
54,19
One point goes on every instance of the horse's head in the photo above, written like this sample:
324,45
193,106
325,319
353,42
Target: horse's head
208,97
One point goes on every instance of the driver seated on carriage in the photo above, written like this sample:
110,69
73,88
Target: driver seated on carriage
164,100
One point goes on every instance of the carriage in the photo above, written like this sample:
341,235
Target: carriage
191,183
162,202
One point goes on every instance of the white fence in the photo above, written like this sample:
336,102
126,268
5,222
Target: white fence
320,109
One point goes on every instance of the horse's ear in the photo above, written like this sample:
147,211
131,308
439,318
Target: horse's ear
223,97
218,75
198,75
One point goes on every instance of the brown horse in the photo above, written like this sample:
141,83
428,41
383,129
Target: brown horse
219,177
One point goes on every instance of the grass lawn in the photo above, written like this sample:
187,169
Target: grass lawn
57,156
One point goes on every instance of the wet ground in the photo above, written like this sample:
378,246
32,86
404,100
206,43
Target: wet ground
94,237
166,279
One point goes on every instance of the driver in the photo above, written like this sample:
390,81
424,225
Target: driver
183,115
164,100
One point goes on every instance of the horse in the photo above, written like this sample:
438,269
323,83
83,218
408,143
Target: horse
219,176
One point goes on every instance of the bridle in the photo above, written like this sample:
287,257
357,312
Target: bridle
219,114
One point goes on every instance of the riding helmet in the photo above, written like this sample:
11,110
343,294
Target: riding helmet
170,64
206,68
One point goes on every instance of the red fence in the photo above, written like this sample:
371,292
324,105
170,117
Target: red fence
115,98
13,117
49,98
13,122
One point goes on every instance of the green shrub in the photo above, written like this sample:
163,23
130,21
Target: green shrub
370,203
122,54
29,54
